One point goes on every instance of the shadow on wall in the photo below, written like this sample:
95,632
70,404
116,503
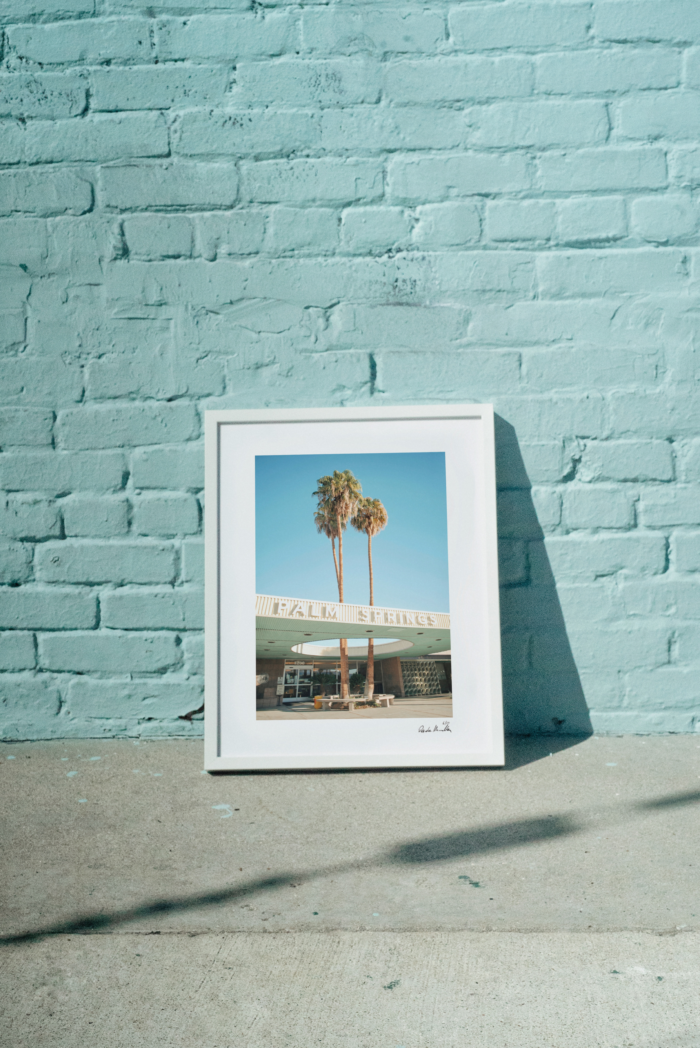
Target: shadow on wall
542,690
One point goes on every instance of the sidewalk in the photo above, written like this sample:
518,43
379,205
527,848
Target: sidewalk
554,903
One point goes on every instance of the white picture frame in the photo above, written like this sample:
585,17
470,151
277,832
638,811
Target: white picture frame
367,731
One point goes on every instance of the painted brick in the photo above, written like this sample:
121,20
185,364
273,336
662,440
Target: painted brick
684,167
486,26
193,651
594,72
95,561
447,225
519,466
176,467
25,427
98,138
540,323
12,142
57,473
290,82
366,230
303,229
686,551
517,518
24,10
457,79
692,67
686,647
664,219
547,506
670,687
631,460
520,220
221,235
561,368
512,562
538,124
151,87
600,649
91,43
15,562
23,241
193,561
28,517
312,181
17,651
676,20
583,219
138,609
108,652
47,608
335,30
389,326
28,380
29,708
595,556
538,417
660,596
45,191
134,186
585,170
12,333
409,128
439,177
165,515
597,507
162,376
131,702
669,115
50,95
227,37
159,236
596,272
246,131
690,466
654,414
92,517
474,373
670,504
127,425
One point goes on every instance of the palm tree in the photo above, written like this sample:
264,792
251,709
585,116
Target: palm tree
337,497
370,517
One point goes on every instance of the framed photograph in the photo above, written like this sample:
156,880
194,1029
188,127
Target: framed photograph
352,589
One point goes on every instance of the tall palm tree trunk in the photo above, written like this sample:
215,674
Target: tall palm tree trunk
344,668
369,683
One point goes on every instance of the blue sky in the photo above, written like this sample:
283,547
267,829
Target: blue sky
409,555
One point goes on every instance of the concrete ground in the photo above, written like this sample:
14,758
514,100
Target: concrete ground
432,707
553,903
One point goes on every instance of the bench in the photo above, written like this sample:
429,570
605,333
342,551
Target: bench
332,701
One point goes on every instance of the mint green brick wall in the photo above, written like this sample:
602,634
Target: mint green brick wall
274,204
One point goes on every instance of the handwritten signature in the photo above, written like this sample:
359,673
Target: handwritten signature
445,727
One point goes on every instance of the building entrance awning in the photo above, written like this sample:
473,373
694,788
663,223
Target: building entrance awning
291,628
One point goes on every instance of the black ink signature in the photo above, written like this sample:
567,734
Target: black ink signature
445,727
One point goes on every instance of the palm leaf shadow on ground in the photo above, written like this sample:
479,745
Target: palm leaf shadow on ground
428,850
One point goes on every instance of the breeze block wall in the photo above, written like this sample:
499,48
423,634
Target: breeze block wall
246,203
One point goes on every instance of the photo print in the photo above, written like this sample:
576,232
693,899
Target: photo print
352,594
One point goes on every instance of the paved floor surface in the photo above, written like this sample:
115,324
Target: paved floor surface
553,903
431,707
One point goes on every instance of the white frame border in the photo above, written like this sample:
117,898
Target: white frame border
262,762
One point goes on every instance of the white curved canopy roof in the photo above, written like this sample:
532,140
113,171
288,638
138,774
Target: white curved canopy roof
289,627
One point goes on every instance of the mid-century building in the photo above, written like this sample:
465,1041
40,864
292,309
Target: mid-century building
296,639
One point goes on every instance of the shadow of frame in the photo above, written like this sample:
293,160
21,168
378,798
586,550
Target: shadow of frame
542,691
